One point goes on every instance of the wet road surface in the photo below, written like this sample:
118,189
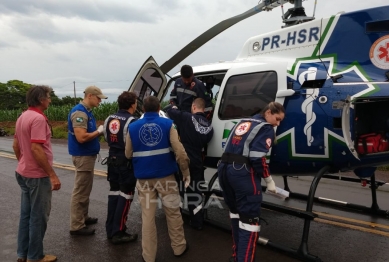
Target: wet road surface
336,236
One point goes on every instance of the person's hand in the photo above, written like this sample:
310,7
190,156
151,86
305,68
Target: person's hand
186,180
100,129
55,183
271,186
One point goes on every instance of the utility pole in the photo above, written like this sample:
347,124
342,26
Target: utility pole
75,98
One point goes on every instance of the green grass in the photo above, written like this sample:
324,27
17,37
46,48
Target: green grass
60,132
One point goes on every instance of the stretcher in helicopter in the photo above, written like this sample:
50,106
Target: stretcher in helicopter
335,93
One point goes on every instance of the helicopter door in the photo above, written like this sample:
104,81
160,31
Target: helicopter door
346,126
149,81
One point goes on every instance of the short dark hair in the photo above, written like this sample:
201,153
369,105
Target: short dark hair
186,71
151,104
200,103
126,100
274,107
36,93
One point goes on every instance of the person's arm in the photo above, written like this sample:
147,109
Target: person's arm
16,148
40,157
200,90
178,149
128,148
258,151
176,115
83,136
80,124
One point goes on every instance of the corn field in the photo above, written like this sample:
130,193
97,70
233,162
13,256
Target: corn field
60,113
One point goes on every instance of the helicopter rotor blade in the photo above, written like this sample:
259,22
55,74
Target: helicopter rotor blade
265,5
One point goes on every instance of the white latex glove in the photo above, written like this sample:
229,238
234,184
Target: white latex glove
271,186
100,129
187,181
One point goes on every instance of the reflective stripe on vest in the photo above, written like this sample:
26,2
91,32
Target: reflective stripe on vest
151,152
250,138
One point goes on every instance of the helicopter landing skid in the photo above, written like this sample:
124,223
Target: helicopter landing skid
373,210
307,215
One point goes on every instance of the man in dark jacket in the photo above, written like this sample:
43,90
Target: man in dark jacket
188,88
120,172
195,133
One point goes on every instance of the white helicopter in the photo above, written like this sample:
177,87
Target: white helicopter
336,96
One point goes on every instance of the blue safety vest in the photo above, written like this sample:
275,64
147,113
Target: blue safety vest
152,155
89,148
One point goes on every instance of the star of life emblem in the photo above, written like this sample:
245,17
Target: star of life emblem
379,52
150,134
242,128
114,126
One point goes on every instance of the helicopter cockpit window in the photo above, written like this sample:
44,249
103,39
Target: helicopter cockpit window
246,95
149,84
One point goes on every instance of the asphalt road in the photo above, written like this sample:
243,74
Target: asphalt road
336,236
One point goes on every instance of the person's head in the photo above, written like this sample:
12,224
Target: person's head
127,101
187,74
198,105
93,96
151,104
273,113
39,96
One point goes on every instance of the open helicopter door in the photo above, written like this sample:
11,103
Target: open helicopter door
346,120
149,81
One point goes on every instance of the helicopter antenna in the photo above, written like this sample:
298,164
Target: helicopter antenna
314,8
296,15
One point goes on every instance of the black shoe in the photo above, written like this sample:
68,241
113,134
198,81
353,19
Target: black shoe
85,231
123,237
183,253
91,220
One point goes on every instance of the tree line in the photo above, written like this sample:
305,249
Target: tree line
13,96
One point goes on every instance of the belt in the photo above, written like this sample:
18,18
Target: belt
234,158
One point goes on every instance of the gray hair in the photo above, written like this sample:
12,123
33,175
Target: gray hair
36,93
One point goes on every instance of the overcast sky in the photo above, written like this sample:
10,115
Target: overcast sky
104,42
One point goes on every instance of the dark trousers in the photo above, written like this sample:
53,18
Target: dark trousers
242,193
194,195
122,186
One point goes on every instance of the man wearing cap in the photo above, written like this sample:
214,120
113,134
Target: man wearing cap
83,146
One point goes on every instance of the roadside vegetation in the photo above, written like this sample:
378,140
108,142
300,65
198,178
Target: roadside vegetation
13,103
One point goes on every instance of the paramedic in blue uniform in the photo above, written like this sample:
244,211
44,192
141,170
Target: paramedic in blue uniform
242,166
120,173
83,146
152,143
188,88
195,132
